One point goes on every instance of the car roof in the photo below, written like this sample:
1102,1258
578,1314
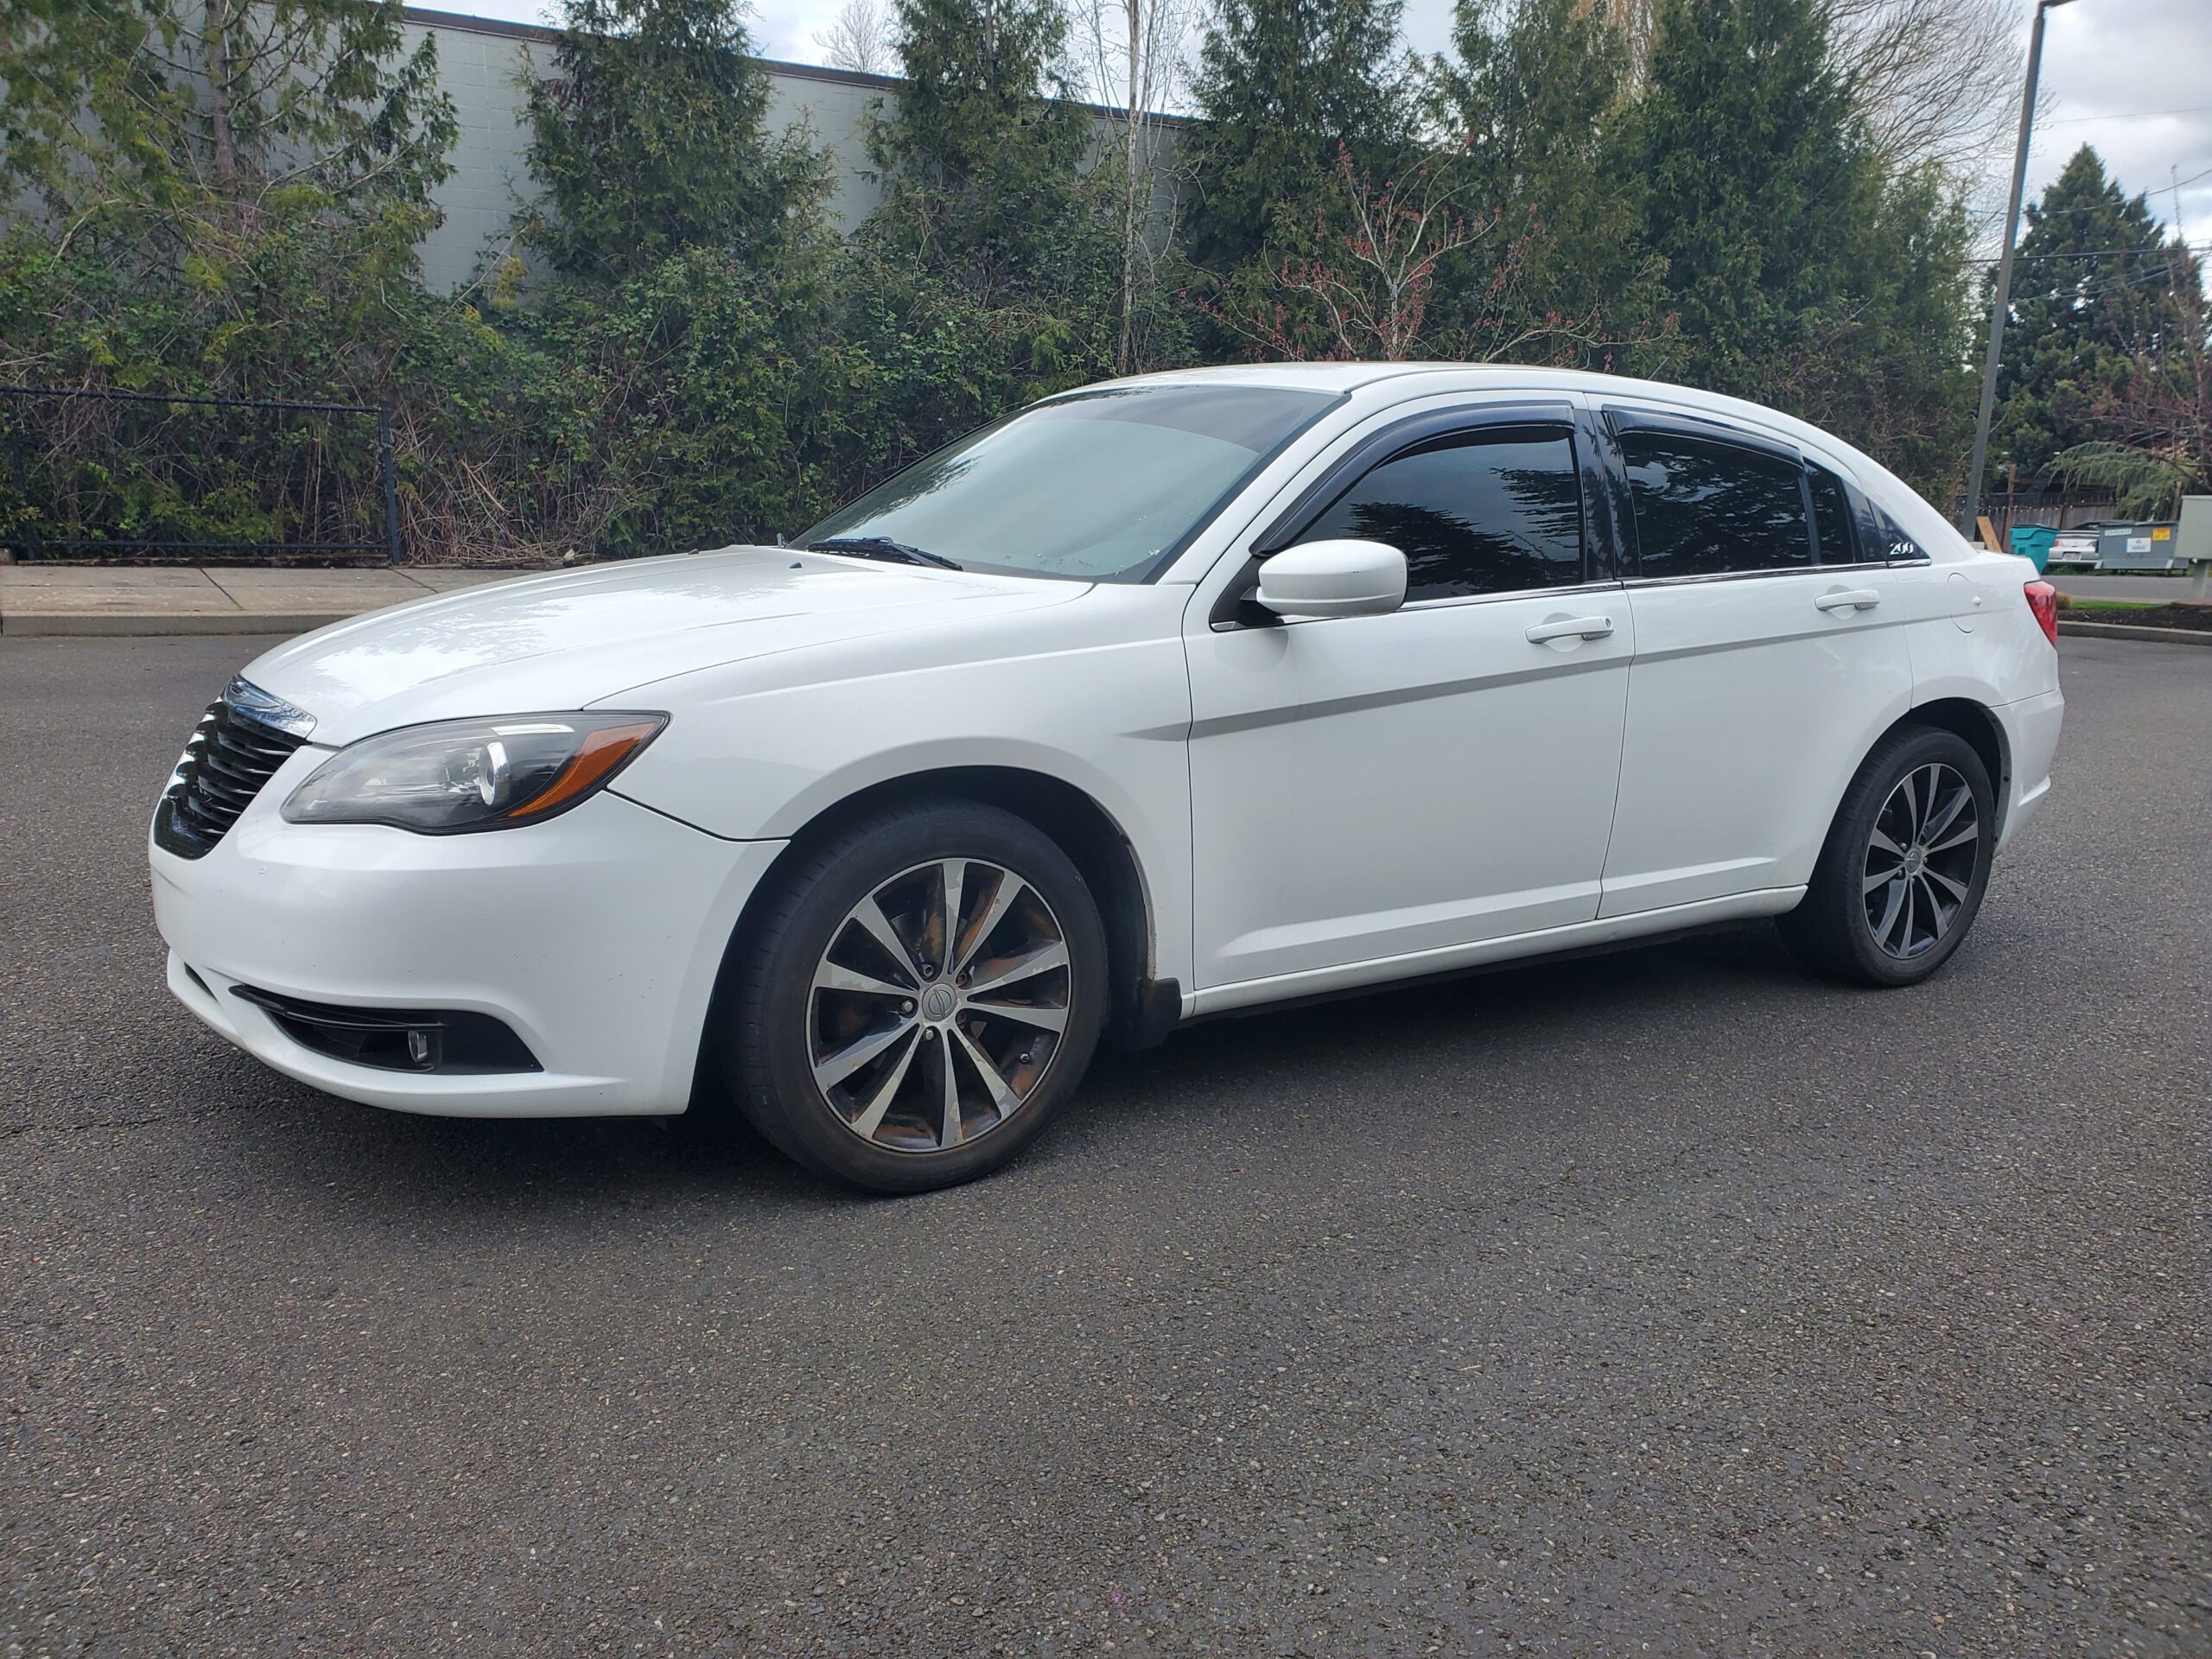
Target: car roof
1374,384
1411,379
1453,377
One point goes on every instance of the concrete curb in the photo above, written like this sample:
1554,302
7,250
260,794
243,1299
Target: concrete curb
2121,631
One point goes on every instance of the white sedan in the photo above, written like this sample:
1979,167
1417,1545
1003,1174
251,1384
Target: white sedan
1154,701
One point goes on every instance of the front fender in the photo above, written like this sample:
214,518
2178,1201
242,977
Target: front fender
1109,717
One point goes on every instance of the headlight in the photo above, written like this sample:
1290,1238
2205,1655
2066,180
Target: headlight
455,776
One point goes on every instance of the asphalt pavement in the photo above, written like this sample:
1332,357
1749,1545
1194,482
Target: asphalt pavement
1666,1302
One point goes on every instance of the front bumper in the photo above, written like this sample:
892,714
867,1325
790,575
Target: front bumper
596,936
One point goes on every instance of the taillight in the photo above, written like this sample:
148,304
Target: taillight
2043,599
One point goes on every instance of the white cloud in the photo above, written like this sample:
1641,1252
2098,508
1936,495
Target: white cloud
2133,78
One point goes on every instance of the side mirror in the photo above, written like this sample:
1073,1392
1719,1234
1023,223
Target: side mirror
1339,578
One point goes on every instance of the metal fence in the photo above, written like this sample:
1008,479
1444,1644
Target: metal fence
91,474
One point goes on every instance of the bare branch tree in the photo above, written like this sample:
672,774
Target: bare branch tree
1130,60
1934,81
860,40
1369,290
1364,294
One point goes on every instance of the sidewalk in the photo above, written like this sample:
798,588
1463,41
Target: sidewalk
47,600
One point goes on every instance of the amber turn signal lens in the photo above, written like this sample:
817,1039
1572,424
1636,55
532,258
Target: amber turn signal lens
602,752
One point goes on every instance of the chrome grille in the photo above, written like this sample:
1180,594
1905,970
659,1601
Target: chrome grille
229,757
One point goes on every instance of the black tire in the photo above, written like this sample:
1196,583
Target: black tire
769,1020
1898,932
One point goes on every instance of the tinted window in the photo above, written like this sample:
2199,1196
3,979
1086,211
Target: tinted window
1831,517
1102,485
1892,541
1704,508
1492,512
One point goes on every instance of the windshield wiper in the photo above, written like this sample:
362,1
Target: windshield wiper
882,547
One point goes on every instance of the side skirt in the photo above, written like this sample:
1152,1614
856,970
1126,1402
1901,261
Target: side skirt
1582,939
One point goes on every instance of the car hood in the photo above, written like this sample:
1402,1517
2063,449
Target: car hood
573,637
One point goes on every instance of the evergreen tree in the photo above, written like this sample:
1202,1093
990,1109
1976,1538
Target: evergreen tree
1800,274
981,170
1284,87
132,121
1885,363
990,274
699,403
649,137
2155,443
224,197
2094,303
1533,94
222,192
1754,183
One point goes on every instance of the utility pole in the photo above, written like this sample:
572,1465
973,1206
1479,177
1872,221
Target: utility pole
2003,296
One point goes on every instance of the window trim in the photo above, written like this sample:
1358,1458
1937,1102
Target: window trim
1851,517
1417,431
1234,610
1766,575
1601,585
1619,420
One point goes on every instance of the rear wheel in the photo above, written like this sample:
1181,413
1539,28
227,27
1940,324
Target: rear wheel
1901,877
921,997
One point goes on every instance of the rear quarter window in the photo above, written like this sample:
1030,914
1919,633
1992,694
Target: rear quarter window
1893,543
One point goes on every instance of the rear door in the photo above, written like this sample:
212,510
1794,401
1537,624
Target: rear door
1770,653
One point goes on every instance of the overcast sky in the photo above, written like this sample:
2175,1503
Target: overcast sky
2131,77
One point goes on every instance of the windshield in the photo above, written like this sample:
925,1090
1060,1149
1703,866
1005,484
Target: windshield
1100,486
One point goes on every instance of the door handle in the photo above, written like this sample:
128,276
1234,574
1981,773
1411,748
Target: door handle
1857,599
1583,627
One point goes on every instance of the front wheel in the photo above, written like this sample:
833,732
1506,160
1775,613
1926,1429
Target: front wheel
919,999
1901,877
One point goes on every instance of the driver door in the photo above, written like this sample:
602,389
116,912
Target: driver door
1372,790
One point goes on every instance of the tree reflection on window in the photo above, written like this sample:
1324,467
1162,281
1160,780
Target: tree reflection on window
1705,508
1493,512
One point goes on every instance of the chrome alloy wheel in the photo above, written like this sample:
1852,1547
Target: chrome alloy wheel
938,1005
1920,860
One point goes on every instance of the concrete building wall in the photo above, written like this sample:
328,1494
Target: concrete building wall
482,65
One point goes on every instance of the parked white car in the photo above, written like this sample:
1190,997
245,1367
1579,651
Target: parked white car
1164,698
